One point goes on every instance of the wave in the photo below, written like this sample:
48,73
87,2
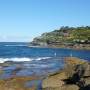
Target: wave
2,60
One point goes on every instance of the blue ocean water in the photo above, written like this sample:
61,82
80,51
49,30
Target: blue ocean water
21,50
33,60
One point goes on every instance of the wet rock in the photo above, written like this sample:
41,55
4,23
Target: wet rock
16,83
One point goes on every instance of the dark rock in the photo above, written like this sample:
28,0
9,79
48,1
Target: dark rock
85,88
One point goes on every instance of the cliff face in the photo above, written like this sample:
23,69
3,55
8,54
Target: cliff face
65,36
75,76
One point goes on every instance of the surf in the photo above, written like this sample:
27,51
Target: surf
22,59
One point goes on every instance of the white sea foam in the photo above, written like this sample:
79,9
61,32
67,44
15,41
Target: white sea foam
41,58
2,60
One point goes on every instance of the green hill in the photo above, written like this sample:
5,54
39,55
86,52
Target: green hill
64,36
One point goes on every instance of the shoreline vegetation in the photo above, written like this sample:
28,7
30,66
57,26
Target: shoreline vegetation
65,37
74,76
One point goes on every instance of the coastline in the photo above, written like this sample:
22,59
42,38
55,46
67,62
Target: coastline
61,47
56,81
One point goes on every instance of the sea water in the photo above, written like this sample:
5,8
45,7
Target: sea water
34,60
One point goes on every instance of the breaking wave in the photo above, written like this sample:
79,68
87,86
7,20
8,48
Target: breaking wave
2,60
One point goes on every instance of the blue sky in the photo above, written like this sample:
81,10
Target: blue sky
22,20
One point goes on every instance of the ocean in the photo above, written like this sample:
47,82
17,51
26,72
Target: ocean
35,61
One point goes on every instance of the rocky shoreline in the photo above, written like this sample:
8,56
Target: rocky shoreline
74,76
78,47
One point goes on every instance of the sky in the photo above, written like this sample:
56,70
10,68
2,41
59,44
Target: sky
22,20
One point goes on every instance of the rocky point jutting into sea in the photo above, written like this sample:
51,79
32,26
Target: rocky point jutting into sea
65,37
